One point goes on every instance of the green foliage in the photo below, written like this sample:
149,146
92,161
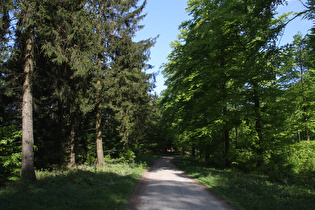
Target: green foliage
249,191
294,163
220,77
302,157
234,97
84,56
128,155
83,187
10,153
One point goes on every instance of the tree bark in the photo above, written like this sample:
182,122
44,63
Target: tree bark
99,141
28,172
258,125
98,127
72,143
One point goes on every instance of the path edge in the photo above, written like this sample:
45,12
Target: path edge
224,203
134,200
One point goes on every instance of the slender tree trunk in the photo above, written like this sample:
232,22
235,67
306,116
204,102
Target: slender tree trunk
226,139
127,131
226,147
99,141
236,136
299,134
193,151
307,135
225,131
72,143
28,172
98,127
258,125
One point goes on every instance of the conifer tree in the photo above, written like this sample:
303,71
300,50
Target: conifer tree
131,83
27,25
118,61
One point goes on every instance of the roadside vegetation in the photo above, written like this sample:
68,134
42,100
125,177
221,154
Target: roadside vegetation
251,190
80,187
74,87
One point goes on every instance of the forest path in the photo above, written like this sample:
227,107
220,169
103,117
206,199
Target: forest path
166,187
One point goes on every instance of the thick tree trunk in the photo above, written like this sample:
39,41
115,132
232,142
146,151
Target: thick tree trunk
28,172
99,141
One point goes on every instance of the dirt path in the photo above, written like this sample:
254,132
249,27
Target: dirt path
166,187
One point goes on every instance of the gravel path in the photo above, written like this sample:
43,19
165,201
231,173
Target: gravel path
166,187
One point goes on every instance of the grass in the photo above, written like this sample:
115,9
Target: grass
82,187
249,191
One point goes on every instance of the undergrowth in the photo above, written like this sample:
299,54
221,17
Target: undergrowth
250,191
78,187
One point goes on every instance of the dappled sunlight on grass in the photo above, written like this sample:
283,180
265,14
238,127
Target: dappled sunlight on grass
249,191
79,187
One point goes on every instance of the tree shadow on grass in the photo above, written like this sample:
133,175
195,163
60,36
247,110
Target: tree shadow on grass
77,189
249,191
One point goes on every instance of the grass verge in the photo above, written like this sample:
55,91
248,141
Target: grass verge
248,191
82,187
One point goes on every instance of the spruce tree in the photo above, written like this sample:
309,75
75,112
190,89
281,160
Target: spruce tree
118,61
26,20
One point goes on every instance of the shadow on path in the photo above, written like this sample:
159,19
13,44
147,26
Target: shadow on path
166,187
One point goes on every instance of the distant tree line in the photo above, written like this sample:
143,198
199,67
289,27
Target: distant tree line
234,97
73,84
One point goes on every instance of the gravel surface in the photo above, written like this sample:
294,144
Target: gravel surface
166,187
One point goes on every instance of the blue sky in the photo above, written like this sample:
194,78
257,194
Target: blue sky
164,17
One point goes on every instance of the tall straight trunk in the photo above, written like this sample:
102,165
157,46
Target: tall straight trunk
225,131
258,125
98,129
72,142
28,172
307,135
98,126
226,139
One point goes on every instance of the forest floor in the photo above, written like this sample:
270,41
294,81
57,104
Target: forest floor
164,186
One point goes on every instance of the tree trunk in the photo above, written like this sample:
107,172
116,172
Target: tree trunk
307,133
72,143
99,141
258,126
98,128
236,136
193,151
226,139
28,172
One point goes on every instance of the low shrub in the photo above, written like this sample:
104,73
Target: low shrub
295,162
10,153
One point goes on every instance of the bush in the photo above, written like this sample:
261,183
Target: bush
10,153
302,157
128,155
295,162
